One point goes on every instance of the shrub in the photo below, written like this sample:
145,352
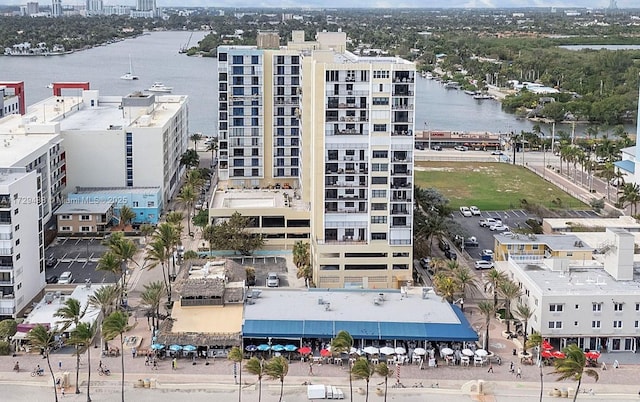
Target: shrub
4,348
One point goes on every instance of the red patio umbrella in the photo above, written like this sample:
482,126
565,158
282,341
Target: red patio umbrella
546,354
592,355
325,353
558,354
546,345
305,350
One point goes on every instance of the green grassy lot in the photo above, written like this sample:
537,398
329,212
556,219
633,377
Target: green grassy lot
491,186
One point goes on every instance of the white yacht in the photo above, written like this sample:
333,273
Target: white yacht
159,87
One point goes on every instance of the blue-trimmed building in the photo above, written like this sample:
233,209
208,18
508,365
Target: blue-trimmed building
146,202
391,315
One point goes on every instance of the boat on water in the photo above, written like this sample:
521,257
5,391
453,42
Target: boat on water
129,75
159,87
452,85
472,93
482,96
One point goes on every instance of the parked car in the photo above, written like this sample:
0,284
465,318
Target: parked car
498,227
483,264
465,211
471,242
436,148
460,148
66,278
442,243
475,210
419,147
450,254
273,281
486,253
52,279
488,222
496,152
425,262
51,261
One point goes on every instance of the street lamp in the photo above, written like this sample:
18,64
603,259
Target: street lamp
426,127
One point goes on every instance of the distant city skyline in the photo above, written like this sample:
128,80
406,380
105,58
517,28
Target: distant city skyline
362,3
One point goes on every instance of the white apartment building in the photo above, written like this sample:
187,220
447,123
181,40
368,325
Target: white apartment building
22,276
131,141
9,103
338,129
592,303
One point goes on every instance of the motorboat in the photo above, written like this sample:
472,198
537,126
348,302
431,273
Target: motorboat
159,87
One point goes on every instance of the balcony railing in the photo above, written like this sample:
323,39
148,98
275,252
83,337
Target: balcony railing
402,93
401,173
403,132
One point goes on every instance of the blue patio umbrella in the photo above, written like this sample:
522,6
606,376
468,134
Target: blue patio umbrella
189,348
264,347
251,348
175,348
290,348
277,348
157,346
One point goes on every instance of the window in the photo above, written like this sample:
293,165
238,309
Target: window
595,324
379,193
636,324
380,154
380,127
378,206
378,219
380,101
380,74
378,180
237,60
85,228
556,307
135,204
617,324
65,217
151,204
85,217
617,306
378,236
555,324
15,211
597,306
16,228
577,306
65,228
254,60
637,306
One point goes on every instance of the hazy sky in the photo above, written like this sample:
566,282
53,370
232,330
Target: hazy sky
365,3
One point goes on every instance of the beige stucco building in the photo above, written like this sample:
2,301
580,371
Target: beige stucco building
333,131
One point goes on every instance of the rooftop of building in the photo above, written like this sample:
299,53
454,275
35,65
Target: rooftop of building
576,279
556,242
8,176
365,314
45,310
230,198
565,224
20,136
87,206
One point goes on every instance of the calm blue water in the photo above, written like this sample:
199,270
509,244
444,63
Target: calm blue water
155,58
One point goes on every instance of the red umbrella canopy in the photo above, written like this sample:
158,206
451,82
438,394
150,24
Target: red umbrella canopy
546,354
592,355
325,353
546,345
305,350
558,354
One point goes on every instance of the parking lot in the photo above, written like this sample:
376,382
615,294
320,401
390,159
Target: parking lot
264,265
80,257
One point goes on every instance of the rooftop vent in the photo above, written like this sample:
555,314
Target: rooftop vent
327,307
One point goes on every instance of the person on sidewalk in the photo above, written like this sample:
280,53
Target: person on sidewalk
519,373
490,368
310,368
174,364
512,368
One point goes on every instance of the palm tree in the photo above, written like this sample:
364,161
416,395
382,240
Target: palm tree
510,291
110,262
195,137
488,309
167,237
573,367
152,296
236,356
157,254
124,250
630,196
607,173
363,370
277,369
147,230
256,367
126,215
446,286
466,280
188,196
116,324
209,234
190,159
524,313
535,341
383,370
212,147
494,278
175,218
71,313
342,343
302,260
83,335
104,298
40,337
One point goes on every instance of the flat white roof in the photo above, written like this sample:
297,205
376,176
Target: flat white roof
351,305
256,199
15,144
561,224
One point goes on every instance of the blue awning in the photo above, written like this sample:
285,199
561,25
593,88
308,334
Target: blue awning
272,328
318,329
359,329
626,165
403,330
